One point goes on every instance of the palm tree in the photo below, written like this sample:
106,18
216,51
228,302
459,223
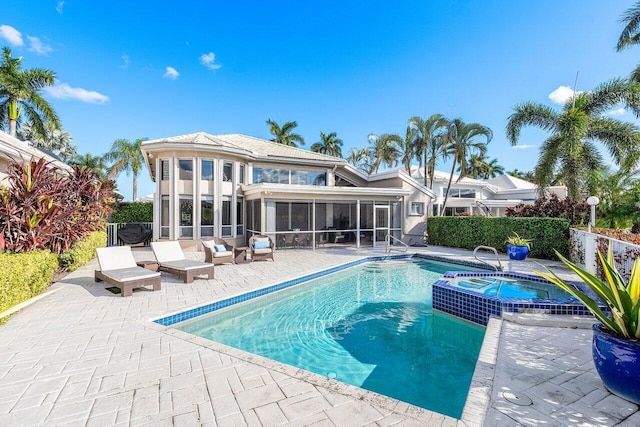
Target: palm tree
20,93
461,143
409,147
385,149
329,144
631,34
479,167
527,176
285,135
95,164
493,169
362,158
430,142
570,152
57,141
127,156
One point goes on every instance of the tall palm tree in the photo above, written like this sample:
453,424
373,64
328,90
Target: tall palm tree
631,34
409,148
95,164
430,141
386,149
480,167
20,93
57,141
285,135
570,152
329,144
461,140
127,156
362,158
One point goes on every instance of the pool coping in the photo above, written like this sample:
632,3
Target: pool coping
476,400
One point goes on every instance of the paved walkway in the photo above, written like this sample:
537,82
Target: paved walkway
83,356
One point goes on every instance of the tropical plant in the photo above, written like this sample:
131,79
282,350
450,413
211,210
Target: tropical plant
552,207
409,148
429,142
56,141
461,142
631,34
479,167
329,144
45,208
623,300
386,149
362,158
96,164
570,150
285,135
126,156
20,93
516,240
527,176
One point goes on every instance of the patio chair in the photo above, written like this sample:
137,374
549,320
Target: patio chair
217,251
119,269
172,260
261,247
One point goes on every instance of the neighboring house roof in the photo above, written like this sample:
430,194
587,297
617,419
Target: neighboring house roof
510,182
401,174
14,149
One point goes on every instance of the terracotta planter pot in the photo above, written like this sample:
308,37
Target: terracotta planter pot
617,361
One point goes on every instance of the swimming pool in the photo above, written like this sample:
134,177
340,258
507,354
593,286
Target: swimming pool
372,326
509,287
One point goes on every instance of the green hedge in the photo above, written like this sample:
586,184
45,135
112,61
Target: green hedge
24,275
83,251
133,212
468,232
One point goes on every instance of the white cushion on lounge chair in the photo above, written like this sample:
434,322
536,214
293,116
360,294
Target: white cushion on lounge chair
262,251
167,251
184,264
115,258
129,274
209,243
221,254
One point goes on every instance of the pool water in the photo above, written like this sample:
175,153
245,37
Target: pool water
371,326
505,287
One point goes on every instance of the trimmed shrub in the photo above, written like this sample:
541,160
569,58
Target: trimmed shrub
83,251
133,212
24,275
546,234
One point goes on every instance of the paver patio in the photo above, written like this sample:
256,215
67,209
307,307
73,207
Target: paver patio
83,356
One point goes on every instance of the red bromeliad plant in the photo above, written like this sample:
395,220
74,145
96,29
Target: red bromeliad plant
47,208
552,207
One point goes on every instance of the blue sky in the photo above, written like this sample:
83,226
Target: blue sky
132,69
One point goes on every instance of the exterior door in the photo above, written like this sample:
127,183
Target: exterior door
380,225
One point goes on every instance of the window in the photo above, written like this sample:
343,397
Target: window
287,176
164,170
227,172
164,217
416,209
186,169
239,216
186,216
227,226
206,216
461,193
241,177
207,170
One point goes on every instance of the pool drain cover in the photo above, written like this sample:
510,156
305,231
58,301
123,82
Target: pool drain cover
518,399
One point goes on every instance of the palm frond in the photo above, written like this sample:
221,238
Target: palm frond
530,114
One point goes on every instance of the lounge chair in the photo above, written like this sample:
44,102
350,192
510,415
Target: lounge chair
119,268
261,247
217,251
172,260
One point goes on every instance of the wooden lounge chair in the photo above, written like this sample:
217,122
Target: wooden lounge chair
260,253
119,268
172,260
214,256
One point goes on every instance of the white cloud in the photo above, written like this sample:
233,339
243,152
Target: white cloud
171,73
126,61
59,7
523,147
64,91
11,35
562,94
618,112
36,45
209,61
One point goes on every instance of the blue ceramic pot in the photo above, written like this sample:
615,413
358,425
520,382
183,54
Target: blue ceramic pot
517,253
617,361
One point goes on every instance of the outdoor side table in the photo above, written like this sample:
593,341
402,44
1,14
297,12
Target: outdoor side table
240,254
149,265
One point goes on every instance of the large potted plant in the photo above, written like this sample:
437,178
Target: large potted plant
616,339
518,247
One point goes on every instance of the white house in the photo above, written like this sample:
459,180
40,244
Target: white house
12,149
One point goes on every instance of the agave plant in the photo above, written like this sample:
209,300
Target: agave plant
623,300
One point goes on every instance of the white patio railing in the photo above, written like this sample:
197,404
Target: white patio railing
585,245
112,231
